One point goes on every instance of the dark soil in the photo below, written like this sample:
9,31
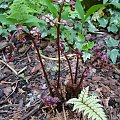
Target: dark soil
20,95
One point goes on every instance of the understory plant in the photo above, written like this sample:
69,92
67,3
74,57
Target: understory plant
113,51
55,23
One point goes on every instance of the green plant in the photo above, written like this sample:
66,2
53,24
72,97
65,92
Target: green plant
112,52
107,17
24,12
63,32
89,105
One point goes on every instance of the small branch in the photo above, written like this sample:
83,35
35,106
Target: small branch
15,72
35,109
64,114
22,70
56,58
11,92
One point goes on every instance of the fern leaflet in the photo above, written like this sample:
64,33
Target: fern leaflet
89,105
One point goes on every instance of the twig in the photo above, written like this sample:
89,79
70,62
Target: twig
9,105
16,73
22,70
35,109
5,111
9,67
63,107
56,58
117,70
11,92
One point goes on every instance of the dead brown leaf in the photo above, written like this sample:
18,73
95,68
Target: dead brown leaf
36,68
7,90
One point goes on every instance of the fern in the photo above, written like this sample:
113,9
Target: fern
22,10
89,105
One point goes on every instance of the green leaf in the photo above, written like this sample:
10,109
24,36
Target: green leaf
105,1
78,46
32,20
116,4
103,22
112,28
112,42
86,56
80,10
51,8
52,32
87,46
65,14
12,28
73,100
4,6
1,30
4,20
93,9
90,45
81,37
1,1
91,27
22,76
89,105
55,68
114,53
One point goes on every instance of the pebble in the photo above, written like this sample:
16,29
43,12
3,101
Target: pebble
117,76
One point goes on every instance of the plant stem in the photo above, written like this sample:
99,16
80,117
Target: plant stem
82,77
69,67
58,40
45,74
76,73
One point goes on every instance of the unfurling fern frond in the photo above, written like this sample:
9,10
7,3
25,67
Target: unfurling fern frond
89,105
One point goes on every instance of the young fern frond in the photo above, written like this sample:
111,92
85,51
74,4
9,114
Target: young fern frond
89,105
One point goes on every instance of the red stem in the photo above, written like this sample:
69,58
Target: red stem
58,40
76,73
40,59
82,78
69,67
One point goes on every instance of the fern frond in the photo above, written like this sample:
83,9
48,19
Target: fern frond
89,105
23,9
19,10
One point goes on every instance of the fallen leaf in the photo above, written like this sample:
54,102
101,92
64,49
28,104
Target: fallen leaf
36,68
7,90
106,101
21,90
96,79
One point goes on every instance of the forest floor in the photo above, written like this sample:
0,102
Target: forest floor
20,94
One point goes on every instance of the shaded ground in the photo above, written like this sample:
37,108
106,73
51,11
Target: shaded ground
20,95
